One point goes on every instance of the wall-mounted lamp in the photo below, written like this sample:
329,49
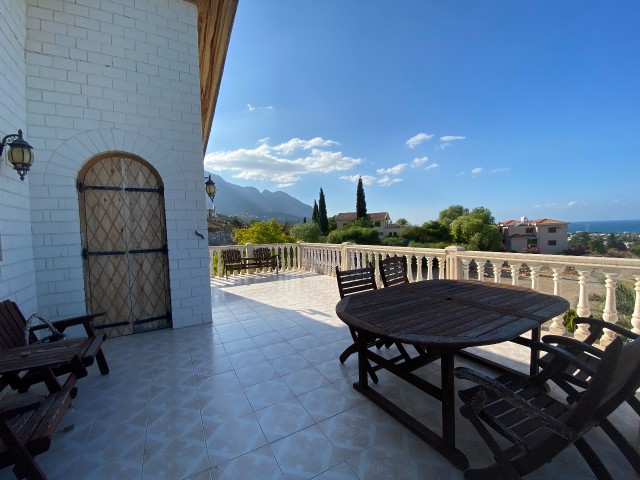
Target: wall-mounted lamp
210,188
20,153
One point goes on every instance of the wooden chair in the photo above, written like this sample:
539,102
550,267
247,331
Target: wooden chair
355,281
393,270
12,334
538,425
575,379
26,429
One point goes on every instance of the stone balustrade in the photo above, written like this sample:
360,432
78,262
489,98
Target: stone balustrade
571,277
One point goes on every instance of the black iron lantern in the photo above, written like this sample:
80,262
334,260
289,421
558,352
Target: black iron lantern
20,153
210,188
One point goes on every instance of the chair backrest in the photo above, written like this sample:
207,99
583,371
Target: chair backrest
625,380
12,325
393,270
231,256
262,254
356,280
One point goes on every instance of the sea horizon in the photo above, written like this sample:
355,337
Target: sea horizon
605,226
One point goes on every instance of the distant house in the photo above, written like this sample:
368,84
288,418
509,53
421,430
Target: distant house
381,222
543,235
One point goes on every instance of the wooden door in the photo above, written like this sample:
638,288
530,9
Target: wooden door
124,246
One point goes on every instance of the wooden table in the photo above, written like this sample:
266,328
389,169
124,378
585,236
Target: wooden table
443,317
41,359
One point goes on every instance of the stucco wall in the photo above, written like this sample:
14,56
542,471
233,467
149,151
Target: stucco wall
17,279
115,76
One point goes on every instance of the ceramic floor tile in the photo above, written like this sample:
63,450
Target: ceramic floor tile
255,374
224,406
305,380
233,438
180,457
305,454
267,393
283,418
125,468
289,363
257,465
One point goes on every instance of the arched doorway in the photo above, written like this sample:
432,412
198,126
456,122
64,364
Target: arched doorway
124,246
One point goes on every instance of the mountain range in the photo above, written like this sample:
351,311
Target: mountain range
234,200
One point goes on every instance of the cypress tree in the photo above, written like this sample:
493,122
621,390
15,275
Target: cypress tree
361,203
323,220
315,214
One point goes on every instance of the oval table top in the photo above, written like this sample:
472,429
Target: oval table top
450,313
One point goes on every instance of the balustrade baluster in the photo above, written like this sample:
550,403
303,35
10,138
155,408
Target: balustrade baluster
610,312
557,327
582,308
635,318
496,272
515,273
480,267
535,276
465,268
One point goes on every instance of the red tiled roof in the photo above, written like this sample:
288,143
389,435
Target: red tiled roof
352,216
539,221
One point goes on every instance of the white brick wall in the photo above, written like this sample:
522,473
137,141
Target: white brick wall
107,76
17,277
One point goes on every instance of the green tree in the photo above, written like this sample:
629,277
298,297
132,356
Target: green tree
361,203
402,221
436,231
261,232
475,233
615,242
359,235
333,223
596,244
306,232
323,221
315,215
579,243
448,215
483,214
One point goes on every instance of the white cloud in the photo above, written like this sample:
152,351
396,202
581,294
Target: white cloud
500,170
416,162
387,181
460,174
298,144
477,170
445,141
251,108
417,139
366,179
277,164
572,203
431,166
395,170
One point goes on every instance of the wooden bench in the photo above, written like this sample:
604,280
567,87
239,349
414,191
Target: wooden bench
12,339
26,428
262,258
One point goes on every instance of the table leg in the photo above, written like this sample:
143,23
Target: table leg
535,353
448,400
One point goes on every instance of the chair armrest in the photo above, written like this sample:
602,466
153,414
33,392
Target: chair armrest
61,325
599,325
569,355
514,400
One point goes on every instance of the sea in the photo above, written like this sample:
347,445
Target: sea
605,226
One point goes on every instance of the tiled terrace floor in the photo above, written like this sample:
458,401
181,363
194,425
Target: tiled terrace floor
260,394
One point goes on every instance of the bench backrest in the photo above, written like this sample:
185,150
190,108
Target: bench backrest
231,256
12,325
262,254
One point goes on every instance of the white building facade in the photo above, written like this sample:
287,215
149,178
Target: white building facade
111,86
543,235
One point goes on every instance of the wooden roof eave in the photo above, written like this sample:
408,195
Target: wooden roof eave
215,22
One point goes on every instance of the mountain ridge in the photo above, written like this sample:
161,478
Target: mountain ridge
235,200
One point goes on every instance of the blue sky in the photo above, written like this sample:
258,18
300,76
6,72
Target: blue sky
526,108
